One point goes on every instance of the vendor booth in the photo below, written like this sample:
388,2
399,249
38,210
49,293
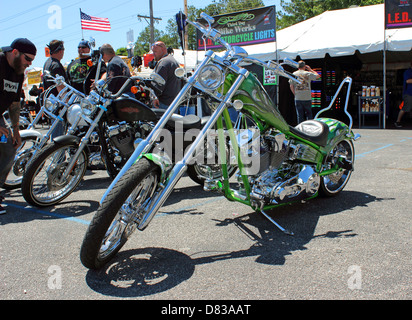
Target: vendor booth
348,42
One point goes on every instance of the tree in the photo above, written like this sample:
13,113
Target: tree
171,38
121,51
294,11
216,8
142,44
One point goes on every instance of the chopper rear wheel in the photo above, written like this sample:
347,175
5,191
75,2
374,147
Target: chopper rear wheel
343,155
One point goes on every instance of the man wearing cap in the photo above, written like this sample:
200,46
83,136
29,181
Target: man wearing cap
13,62
79,68
54,66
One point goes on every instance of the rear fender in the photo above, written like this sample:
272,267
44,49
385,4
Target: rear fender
337,131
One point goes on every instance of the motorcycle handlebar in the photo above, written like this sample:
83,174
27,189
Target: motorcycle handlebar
153,77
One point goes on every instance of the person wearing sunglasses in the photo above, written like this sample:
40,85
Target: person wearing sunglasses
166,65
79,68
13,62
54,66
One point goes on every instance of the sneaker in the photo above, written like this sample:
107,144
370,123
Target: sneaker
2,210
398,125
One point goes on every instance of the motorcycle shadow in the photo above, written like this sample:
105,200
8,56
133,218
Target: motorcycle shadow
148,271
141,272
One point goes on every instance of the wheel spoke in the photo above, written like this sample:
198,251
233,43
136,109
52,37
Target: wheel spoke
47,183
129,215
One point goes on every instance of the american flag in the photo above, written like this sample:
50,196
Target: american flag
94,23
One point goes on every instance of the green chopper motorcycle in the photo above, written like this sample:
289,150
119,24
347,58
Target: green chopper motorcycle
277,163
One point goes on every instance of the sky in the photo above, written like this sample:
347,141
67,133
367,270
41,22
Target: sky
45,20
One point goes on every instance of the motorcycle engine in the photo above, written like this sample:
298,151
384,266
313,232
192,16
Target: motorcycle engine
282,176
260,153
121,137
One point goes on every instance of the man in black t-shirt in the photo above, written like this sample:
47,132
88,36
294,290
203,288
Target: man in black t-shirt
13,61
115,67
54,66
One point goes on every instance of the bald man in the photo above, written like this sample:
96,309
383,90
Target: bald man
165,66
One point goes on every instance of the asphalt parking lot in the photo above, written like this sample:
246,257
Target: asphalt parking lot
356,246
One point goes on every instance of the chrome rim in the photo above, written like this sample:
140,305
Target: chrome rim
48,185
129,215
21,159
335,182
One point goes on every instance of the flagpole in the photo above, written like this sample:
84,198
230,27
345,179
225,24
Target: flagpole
81,22
384,78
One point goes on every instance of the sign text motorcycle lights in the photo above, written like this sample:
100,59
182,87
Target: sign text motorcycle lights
242,28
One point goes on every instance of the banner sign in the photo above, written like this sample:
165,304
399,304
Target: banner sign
34,77
398,14
270,78
242,28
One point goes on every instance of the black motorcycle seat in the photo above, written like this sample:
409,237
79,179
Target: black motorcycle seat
190,121
312,130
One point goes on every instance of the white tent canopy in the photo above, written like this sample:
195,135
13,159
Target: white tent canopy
337,33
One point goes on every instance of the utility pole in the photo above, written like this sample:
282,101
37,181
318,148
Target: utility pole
186,35
151,23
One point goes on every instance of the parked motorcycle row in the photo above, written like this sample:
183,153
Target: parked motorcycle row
258,160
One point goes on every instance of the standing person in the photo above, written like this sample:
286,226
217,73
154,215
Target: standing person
165,66
13,61
407,96
54,66
79,68
302,92
117,69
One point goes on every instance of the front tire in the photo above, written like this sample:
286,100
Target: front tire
22,158
119,214
42,185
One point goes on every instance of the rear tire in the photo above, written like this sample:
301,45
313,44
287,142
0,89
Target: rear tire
119,214
332,184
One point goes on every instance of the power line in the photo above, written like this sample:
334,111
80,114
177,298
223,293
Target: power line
44,15
24,12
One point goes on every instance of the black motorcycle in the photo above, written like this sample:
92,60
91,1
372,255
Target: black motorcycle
118,123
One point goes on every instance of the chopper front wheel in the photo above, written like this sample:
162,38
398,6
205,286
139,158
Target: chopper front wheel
22,158
119,214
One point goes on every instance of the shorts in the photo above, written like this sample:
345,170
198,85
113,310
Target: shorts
407,103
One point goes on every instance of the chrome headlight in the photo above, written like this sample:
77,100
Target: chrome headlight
50,103
88,107
73,113
210,77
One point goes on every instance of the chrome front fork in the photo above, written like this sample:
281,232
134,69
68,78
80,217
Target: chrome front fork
180,167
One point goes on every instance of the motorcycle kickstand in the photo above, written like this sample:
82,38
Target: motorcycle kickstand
289,233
